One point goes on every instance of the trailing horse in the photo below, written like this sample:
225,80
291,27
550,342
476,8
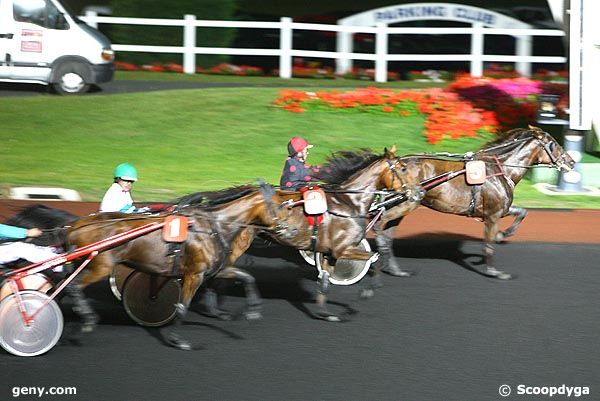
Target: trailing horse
215,223
506,160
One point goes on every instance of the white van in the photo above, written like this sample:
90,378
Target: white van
42,42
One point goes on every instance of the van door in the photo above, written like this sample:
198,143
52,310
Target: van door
7,37
39,26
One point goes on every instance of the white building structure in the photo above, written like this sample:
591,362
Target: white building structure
477,17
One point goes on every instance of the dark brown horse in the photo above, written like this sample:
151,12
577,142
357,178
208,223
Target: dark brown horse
215,225
355,180
507,159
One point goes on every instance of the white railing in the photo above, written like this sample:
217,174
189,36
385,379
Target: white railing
286,52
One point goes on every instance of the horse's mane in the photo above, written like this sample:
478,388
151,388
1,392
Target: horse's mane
341,165
513,135
45,218
215,198
41,216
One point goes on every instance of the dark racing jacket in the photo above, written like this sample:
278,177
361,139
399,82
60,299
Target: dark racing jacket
296,173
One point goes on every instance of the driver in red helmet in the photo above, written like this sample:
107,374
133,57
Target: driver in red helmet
296,172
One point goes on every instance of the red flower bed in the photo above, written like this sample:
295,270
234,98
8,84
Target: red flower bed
447,116
513,100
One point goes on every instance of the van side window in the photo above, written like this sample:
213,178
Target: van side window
39,12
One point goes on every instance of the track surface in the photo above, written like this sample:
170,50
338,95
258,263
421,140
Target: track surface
446,334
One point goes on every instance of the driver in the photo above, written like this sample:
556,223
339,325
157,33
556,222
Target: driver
296,172
16,249
118,197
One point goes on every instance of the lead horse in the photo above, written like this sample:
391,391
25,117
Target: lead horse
507,160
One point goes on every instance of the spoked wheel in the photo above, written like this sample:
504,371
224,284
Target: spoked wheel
37,337
346,271
117,278
150,300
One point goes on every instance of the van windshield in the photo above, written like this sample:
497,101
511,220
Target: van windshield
69,11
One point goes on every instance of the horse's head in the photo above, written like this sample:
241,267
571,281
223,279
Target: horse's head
400,175
552,153
276,216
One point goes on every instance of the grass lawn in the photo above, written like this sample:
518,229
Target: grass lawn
190,140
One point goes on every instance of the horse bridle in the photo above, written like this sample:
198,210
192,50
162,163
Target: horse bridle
556,162
409,193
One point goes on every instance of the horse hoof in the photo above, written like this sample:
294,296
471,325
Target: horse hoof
498,274
397,272
367,293
253,315
225,316
89,323
500,236
184,346
332,318
177,342
329,317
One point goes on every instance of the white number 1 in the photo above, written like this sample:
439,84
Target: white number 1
174,228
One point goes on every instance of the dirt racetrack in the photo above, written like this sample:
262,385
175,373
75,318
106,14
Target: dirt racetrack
541,225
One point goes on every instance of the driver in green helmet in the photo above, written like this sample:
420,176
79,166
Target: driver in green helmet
118,197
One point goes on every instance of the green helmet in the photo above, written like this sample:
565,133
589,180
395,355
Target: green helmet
126,171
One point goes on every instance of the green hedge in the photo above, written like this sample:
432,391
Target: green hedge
171,36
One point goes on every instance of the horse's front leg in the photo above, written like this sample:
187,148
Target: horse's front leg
519,214
321,300
384,239
253,300
491,230
191,283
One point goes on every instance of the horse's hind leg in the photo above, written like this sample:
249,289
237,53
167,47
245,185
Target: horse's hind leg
253,301
97,270
89,318
519,214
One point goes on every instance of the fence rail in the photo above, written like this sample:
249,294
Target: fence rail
286,52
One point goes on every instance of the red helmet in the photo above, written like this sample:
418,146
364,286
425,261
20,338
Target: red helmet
297,144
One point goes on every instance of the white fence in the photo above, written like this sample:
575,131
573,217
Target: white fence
286,52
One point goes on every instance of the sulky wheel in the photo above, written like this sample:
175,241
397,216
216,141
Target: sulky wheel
37,337
346,271
308,256
37,282
150,299
117,278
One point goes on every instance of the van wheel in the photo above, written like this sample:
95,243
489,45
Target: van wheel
70,79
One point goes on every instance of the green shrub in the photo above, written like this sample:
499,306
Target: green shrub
171,36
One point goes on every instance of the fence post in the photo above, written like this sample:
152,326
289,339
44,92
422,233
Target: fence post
189,44
91,14
344,45
285,45
381,49
524,47
477,50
